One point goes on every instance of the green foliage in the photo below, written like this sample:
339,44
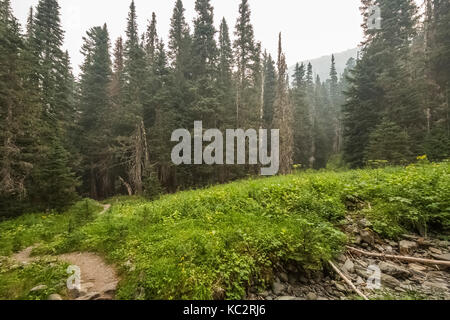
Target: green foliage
390,143
416,198
16,281
152,186
30,229
216,243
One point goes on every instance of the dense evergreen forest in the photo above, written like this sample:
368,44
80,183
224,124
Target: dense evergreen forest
107,132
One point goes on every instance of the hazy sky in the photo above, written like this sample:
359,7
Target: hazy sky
310,28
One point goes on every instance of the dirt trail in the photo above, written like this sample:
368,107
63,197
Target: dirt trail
98,279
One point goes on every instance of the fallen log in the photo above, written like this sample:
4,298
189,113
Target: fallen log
403,258
347,280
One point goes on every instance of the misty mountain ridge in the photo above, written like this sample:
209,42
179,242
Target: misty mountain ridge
322,65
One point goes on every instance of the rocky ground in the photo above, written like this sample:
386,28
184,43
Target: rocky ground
398,279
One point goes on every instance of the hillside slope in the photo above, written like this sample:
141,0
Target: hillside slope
227,241
322,65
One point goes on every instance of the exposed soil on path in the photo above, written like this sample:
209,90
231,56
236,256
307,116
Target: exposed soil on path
98,279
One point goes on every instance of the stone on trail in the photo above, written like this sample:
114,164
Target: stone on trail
39,288
311,296
286,298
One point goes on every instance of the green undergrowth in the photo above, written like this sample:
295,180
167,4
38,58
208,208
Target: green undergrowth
17,280
217,242
30,229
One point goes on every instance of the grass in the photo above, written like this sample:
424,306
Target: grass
217,242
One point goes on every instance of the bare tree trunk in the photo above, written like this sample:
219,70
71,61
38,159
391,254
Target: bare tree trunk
127,185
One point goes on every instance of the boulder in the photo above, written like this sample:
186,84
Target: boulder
278,287
349,266
284,277
389,281
394,270
367,237
406,246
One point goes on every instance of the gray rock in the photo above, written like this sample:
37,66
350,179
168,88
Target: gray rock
292,268
406,246
39,288
364,223
303,280
445,256
278,287
284,277
90,296
434,285
264,294
435,251
54,297
359,281
349,266
286,298
389,281
292,278
394,270
340,287
417,268
444,244
362,272
311,296
367,237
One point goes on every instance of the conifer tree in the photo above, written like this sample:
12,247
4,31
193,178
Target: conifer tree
225,77
247,58
56,84
95,106
302,121
270,87
283,117
16,115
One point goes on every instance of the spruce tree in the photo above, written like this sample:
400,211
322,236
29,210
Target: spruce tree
95,106
283,116
56,85
205,54
270,89
16,115
302,121
381,83
247,59
225,78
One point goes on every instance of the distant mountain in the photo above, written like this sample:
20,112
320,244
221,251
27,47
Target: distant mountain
322,65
